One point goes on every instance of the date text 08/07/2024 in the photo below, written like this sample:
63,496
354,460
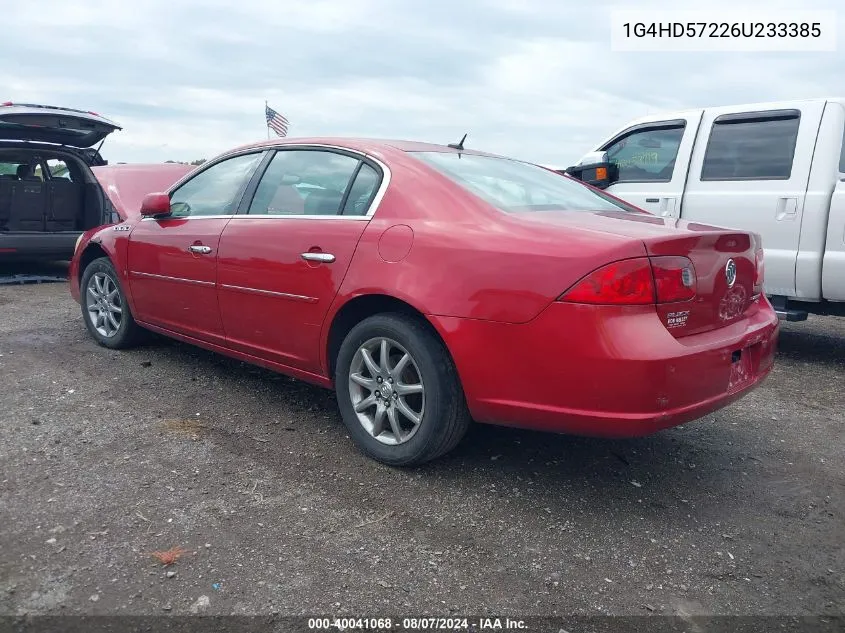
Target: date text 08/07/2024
416,624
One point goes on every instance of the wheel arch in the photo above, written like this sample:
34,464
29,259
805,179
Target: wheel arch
103,243
93,250
360,307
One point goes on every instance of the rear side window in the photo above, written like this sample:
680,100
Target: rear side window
362,191
304,182
753,146
58,169
646,155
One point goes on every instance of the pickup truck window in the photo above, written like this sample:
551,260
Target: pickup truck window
646,154
753,146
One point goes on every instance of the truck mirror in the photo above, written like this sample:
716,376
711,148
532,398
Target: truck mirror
596,170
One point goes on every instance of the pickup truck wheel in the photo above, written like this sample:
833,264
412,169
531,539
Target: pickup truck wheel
398,391
104,308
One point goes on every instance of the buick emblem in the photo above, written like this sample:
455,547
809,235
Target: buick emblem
730,272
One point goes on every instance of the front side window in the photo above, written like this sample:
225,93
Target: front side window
216,190
751,147
514,186
308,182
646,155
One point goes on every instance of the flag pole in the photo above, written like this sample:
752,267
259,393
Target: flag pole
266,122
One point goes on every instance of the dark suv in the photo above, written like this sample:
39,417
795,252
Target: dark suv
48,194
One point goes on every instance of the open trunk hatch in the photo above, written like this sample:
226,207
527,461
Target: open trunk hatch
50,124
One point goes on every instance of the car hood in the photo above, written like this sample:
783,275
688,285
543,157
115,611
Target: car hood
52,124
126,185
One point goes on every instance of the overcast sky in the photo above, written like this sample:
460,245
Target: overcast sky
534,79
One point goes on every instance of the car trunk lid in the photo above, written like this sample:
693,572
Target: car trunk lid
52,124
727,263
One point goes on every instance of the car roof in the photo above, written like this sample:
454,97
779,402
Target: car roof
363,145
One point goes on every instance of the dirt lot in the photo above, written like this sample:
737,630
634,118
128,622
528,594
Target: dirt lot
109,456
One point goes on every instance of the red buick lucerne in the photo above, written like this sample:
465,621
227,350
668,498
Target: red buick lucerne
430,286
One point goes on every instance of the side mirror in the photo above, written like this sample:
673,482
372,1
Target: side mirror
596,170
155,205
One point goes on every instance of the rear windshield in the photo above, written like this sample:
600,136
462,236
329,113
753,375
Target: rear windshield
514,186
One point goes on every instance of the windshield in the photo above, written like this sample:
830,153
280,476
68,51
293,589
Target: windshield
514,186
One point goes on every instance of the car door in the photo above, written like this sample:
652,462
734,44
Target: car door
283,257
172,261
752,174
652,159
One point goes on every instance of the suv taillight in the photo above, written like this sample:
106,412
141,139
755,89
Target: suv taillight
638,281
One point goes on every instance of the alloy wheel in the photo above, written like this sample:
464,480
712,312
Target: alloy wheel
387,390
105,305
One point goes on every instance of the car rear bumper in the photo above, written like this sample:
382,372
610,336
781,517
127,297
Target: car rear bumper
57,245
605,370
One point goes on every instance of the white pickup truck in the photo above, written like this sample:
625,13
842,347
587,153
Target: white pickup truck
774,168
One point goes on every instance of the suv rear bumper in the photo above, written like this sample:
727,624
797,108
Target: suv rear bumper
38,245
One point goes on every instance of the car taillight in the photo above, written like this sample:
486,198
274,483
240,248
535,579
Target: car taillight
626,282
674,279
638,281
759,272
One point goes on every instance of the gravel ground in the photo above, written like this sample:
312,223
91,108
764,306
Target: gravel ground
109,456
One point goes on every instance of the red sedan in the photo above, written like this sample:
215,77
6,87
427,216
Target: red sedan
431,286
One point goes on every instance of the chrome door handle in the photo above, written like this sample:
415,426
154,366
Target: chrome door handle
203,250
326,258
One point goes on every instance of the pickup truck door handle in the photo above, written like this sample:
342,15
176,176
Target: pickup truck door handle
787,209
202,250
325,258
667,206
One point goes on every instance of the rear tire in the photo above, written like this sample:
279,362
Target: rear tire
399,392
104,307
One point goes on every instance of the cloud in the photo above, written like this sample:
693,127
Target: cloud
531,78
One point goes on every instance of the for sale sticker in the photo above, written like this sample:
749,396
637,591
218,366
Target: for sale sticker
677,319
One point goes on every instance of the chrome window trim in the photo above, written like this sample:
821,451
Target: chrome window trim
382,190
268,216
358,218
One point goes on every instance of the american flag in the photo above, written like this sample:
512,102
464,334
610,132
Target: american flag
275,121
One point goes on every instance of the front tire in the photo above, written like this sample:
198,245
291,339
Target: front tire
399,392
104,307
